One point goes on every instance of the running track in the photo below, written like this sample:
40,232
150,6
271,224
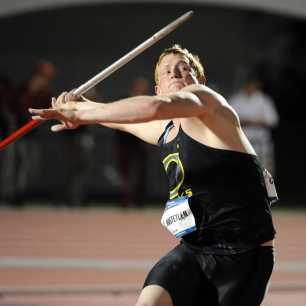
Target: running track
100,257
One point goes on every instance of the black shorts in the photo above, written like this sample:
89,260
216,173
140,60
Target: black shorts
196,279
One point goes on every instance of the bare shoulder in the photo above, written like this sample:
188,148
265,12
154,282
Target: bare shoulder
216,104
206,94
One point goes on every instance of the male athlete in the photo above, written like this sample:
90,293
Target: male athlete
219,201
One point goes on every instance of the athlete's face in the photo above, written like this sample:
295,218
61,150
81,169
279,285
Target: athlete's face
174,73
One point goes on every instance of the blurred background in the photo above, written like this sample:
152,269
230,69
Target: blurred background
249,50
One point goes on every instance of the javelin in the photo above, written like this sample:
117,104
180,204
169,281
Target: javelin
104,73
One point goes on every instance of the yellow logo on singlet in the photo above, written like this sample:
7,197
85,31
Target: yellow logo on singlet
173,162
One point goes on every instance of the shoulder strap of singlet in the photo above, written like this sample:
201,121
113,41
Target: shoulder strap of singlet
163,138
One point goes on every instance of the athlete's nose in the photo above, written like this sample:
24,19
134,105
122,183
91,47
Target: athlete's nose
175,73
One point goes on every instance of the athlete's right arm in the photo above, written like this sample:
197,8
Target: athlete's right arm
139,115
146,131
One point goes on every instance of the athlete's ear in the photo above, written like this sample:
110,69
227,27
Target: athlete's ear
157,89
202,79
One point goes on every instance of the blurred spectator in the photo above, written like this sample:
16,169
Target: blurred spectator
131,156
7,118
35,92
258,116
7,126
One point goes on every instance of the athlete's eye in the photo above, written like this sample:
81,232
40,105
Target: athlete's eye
165,72
184,68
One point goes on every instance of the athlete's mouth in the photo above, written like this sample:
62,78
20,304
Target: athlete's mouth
177,83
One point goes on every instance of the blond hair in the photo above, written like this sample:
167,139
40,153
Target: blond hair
193,59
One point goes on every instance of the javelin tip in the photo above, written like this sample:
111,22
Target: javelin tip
190,13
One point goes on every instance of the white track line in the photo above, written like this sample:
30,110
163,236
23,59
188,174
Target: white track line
80,289
71,289
74,263
111,264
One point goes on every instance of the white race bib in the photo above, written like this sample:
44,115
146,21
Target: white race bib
178,217
270,186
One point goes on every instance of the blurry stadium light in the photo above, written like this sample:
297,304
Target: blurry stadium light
294,8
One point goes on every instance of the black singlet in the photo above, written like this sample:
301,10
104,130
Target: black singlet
226,190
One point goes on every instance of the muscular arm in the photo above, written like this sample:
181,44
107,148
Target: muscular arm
140,109
140,115
153,129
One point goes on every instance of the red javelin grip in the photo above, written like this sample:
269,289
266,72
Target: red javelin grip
19,133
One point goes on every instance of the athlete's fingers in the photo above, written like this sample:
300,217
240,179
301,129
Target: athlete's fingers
58,127
84,99
62,98
35,110
47,113
70,96
41,111
53,102
39,118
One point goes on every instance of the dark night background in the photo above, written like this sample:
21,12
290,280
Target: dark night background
82,40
